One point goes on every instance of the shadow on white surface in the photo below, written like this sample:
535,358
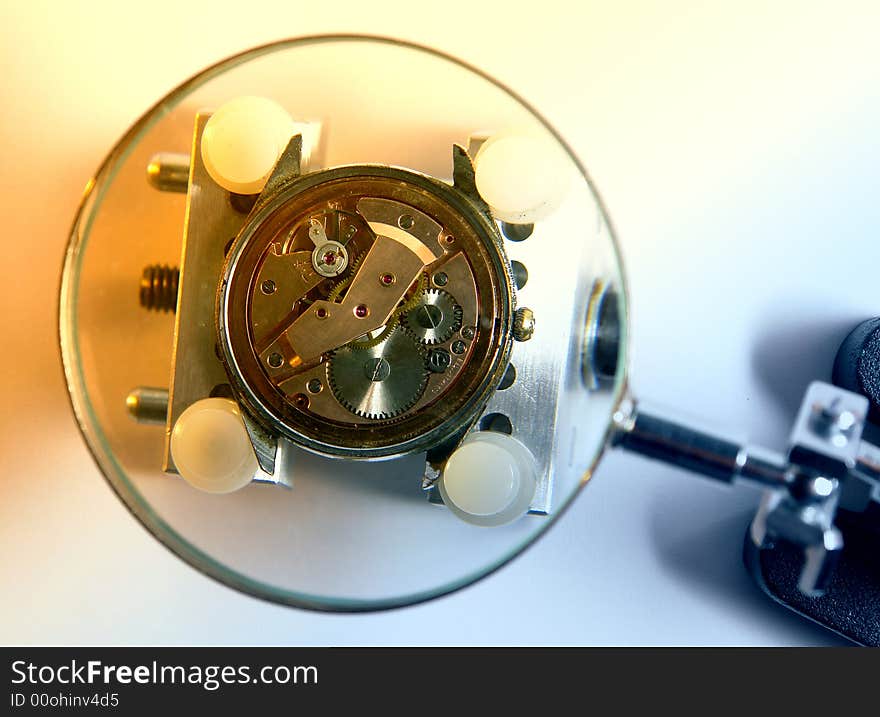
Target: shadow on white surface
792,349
702,545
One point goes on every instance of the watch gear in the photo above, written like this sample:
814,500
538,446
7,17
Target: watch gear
379,382
374,338
434,319
405,235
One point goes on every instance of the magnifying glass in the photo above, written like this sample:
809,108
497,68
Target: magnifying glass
344,324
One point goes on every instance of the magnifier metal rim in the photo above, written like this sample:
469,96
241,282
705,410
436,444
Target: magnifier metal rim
89,426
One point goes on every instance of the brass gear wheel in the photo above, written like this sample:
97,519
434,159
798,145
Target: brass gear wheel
434,319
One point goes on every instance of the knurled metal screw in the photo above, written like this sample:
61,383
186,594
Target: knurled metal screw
523,324
517,232
158,287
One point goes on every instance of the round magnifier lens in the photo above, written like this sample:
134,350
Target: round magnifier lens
425,279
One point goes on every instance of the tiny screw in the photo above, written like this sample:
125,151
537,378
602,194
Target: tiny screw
440,279
834,422
315,385
406,221
275,360
459,347
439,360
268,287
468,332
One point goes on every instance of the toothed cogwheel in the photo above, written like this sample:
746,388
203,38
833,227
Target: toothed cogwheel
434,319
379,382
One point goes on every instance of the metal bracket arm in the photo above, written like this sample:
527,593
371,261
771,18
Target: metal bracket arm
826,463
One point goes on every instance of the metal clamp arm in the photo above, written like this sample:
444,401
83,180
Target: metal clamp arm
804,488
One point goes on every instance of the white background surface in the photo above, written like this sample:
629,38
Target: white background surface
736,148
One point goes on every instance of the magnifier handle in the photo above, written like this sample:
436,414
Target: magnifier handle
649,432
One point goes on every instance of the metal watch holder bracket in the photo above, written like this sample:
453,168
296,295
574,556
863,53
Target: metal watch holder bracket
213,217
